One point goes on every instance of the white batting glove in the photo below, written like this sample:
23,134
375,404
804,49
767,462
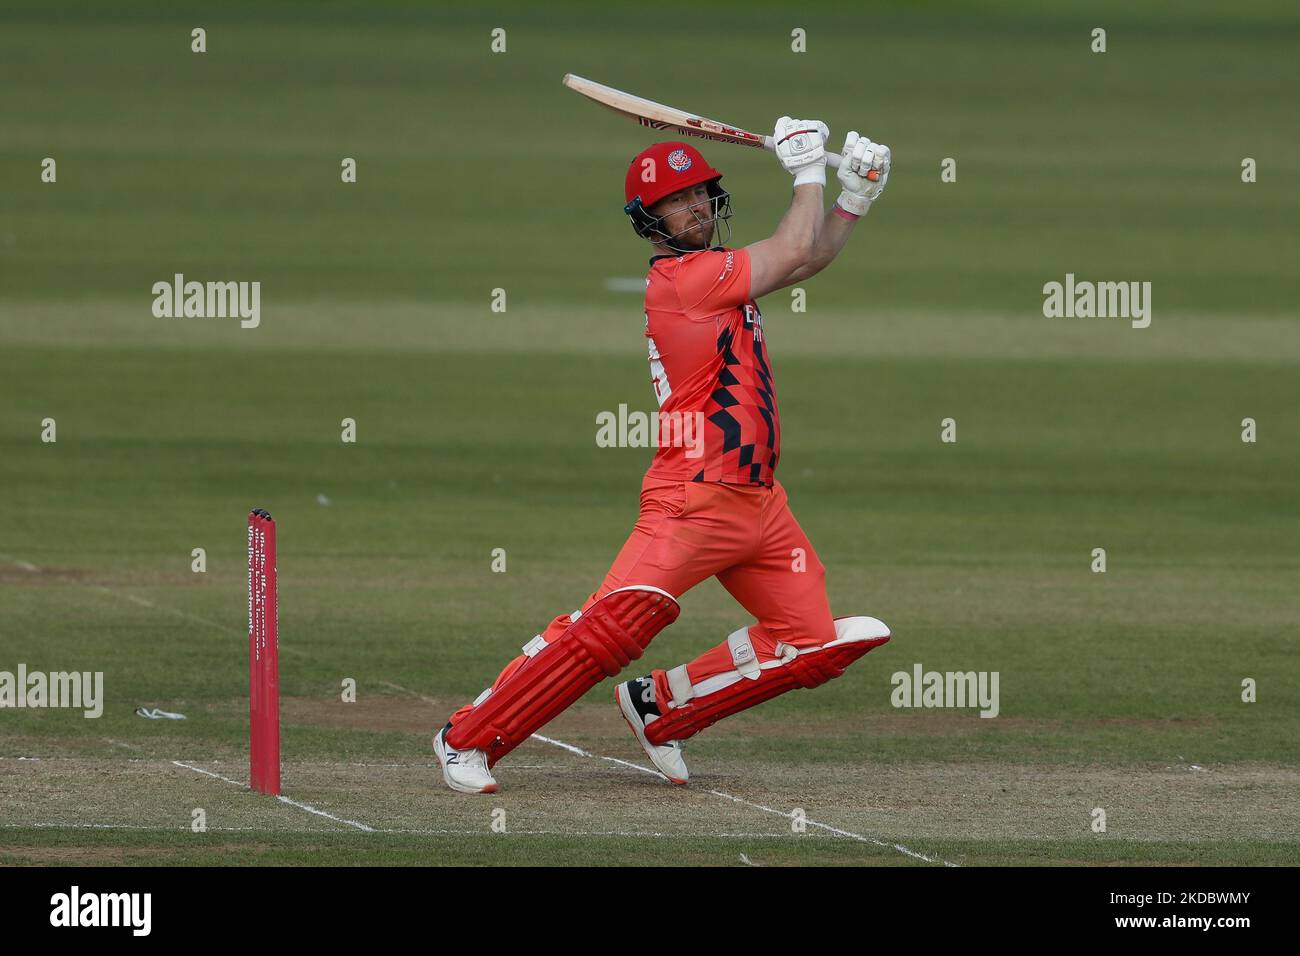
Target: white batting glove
801,148
859,157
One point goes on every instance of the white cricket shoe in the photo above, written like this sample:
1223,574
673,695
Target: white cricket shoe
636,699
464,770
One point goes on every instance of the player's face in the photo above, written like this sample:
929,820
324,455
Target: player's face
687,216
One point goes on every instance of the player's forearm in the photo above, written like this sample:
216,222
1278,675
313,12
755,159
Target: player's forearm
801,228
831,239
834,234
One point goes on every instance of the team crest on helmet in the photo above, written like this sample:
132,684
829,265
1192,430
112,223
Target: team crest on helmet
678,161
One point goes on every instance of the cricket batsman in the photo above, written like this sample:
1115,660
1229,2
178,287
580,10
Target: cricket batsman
711,506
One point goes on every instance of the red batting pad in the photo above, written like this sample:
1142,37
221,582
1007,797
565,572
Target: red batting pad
607,637
809,669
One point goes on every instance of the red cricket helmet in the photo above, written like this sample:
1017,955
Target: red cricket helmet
672,166
661,170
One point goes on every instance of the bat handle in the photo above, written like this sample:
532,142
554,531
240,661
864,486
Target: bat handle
832,159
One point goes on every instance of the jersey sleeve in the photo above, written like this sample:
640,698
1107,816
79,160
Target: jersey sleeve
713,282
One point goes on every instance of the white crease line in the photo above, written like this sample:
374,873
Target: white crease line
789,816
582,753
208,773
281,797
558,743
321,813
25,565
844,833
403,831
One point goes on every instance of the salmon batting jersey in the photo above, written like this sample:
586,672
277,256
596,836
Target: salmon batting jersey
707,356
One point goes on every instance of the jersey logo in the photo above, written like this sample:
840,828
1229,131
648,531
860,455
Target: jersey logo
678,161
658,377
727,265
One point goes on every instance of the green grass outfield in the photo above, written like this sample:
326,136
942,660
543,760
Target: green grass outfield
477,429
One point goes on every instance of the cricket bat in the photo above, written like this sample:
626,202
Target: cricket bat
658,116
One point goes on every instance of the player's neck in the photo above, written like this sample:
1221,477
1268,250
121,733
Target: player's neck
663,250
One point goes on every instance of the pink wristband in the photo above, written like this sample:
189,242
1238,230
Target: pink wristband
844,213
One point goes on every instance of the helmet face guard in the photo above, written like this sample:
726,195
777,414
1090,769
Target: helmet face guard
648,226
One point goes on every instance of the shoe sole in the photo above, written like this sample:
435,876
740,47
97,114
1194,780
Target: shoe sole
626,709
441,754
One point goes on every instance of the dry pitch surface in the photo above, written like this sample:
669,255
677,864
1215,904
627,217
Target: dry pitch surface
581,794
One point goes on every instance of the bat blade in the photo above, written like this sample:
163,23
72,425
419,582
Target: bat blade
658,116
